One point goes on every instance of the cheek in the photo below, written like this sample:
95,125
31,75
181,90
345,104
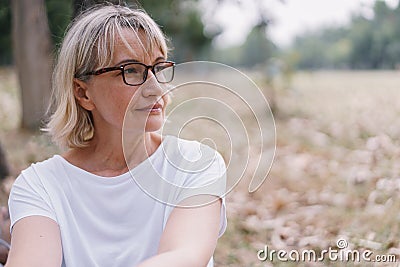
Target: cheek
112,102
167,99
123,102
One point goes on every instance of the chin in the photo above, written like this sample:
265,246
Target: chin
153,125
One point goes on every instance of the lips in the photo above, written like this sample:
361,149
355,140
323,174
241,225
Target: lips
155,107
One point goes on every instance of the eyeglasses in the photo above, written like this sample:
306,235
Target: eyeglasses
136,73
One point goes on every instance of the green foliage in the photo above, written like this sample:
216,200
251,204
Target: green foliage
181,22
376,42
328,48
364,44
59,15
231,56
256,50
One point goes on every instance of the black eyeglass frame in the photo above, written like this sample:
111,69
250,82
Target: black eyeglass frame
146,71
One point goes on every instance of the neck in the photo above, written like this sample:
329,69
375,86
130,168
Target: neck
112,154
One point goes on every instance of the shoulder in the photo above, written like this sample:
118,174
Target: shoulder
191,151
32,190
197,168
192,159
37,171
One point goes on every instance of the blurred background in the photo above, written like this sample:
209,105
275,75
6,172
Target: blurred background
330,72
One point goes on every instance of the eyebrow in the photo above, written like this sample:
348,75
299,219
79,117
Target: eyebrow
135,61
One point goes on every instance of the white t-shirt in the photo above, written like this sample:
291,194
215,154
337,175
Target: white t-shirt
117,221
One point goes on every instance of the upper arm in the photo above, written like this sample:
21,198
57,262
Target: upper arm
35,241
193,230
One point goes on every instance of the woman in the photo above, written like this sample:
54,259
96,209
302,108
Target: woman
90,206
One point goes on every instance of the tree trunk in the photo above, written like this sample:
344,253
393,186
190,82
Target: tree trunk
33,59
4,169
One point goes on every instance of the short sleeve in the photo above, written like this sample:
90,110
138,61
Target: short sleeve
210,181
28,197
207,177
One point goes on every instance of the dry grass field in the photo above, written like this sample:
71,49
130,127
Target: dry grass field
336,173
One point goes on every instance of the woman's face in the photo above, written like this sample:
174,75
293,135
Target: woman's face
144,105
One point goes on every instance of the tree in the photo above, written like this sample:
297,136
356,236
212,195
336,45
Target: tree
4,169
257,49
33,59
376,42
367,43
59,14
32,41
5,33
181,21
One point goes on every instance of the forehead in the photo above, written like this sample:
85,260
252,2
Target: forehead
135,45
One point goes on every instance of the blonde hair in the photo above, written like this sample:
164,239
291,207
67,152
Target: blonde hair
89,45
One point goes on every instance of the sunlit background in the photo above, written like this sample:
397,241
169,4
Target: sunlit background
330,72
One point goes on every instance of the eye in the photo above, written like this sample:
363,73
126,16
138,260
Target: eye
132,70
161,66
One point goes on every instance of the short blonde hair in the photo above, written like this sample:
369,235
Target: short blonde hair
89,45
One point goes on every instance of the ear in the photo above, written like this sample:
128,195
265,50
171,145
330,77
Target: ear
81,94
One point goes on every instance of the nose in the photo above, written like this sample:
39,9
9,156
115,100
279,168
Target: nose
151,87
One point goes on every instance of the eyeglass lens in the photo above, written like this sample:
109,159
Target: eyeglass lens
136,73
